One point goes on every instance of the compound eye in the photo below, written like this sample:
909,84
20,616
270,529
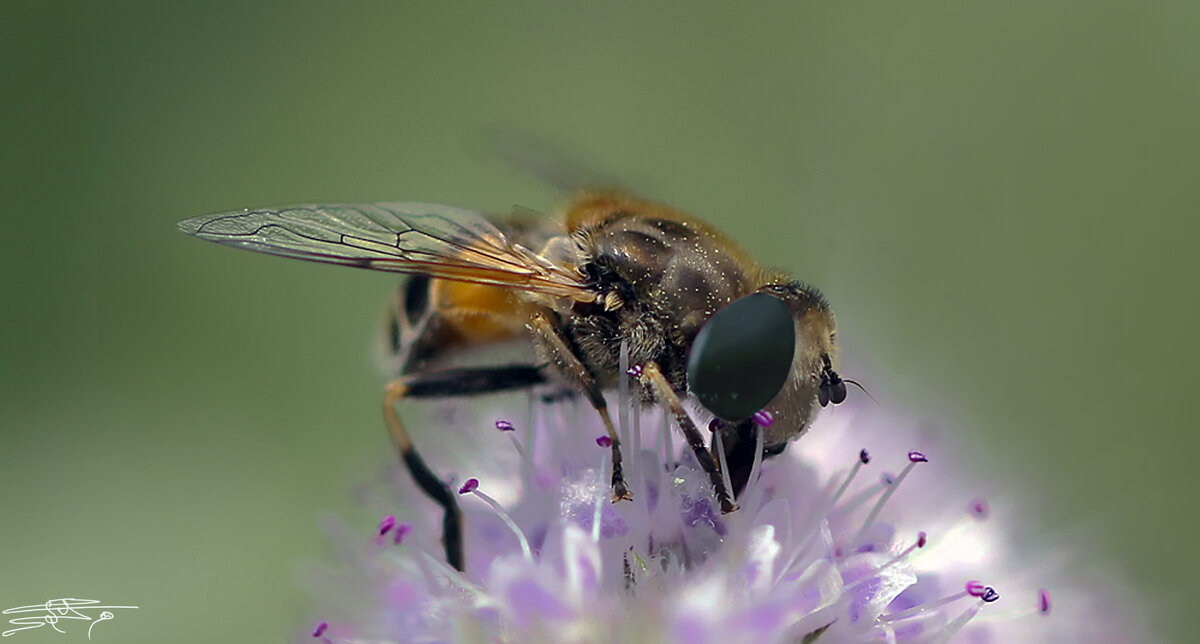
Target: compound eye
742,356
823,394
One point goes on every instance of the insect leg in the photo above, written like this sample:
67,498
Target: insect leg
451,382
652,375
549,330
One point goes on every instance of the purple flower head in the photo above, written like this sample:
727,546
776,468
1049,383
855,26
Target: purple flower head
822,550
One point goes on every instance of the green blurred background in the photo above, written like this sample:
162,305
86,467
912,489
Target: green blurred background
998,197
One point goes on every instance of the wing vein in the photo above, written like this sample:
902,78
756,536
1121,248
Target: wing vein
440,241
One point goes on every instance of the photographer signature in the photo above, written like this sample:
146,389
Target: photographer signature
57,610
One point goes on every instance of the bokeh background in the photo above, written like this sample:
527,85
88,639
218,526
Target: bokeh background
999,198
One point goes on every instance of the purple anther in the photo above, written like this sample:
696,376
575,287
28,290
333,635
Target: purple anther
386,524
990,595
320,629
979,508
469,486
635,371
1044,601
604,441
975,588
917,457
505,426
887,478
715,424
402,531
922,539
763,418
864,456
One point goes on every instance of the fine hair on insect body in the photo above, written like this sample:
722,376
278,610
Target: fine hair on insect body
701,320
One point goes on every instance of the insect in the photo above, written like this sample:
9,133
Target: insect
699,318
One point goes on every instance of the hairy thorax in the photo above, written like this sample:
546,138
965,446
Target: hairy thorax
660,279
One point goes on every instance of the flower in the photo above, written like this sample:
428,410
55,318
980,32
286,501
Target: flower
870,528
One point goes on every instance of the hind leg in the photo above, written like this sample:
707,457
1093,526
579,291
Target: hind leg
451,382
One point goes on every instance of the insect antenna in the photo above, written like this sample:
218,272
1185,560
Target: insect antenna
864,389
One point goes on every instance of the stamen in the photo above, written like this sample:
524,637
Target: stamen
385,526
964,525
636,462
320,629
979,509
920,543
521,452
510,429
623,397
596,511
668,438
986,593
863,459
955,625
758,458
1044,601
604,441
724,466
471,486
914,457
402,531
763,418
430,564
864,495
920,608
527,475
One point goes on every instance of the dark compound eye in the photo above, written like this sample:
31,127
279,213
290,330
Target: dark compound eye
742,356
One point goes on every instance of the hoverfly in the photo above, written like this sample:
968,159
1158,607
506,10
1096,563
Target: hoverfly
698,316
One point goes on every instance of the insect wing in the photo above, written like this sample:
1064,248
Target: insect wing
403,237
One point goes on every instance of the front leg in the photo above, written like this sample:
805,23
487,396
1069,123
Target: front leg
652,376
545,324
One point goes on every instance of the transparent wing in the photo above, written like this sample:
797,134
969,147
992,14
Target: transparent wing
403,237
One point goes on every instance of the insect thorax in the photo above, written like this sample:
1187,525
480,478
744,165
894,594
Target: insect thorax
668,278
